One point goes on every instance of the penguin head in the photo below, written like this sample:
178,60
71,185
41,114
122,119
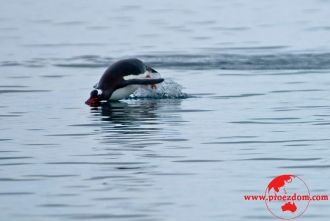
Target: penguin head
94,99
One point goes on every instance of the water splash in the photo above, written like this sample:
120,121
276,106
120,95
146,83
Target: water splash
168,89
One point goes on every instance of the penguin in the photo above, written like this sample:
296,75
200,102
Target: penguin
122,79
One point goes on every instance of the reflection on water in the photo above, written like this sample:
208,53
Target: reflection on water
122,113
136,122
257,106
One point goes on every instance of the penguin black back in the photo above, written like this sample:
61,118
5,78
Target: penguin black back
120,69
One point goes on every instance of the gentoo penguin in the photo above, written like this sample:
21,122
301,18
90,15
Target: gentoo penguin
121,79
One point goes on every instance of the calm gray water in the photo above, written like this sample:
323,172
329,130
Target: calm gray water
258,78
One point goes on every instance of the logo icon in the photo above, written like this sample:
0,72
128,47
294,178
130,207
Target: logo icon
287,196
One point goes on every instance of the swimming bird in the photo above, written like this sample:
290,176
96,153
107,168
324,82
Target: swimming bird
122,79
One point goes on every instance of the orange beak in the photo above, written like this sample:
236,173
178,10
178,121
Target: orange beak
93,102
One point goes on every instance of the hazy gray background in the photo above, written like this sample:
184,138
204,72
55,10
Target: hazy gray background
257,73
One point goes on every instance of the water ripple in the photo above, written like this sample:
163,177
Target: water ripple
90,216
15,193
203,61
197,161
237,96
279,159
307,167
22,91
266,141
94,163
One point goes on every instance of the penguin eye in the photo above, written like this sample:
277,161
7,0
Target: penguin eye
94,93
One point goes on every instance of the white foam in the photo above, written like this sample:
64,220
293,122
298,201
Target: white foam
168,89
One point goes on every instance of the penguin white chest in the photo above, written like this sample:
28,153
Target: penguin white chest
124,92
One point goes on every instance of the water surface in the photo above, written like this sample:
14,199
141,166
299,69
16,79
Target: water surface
257,75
